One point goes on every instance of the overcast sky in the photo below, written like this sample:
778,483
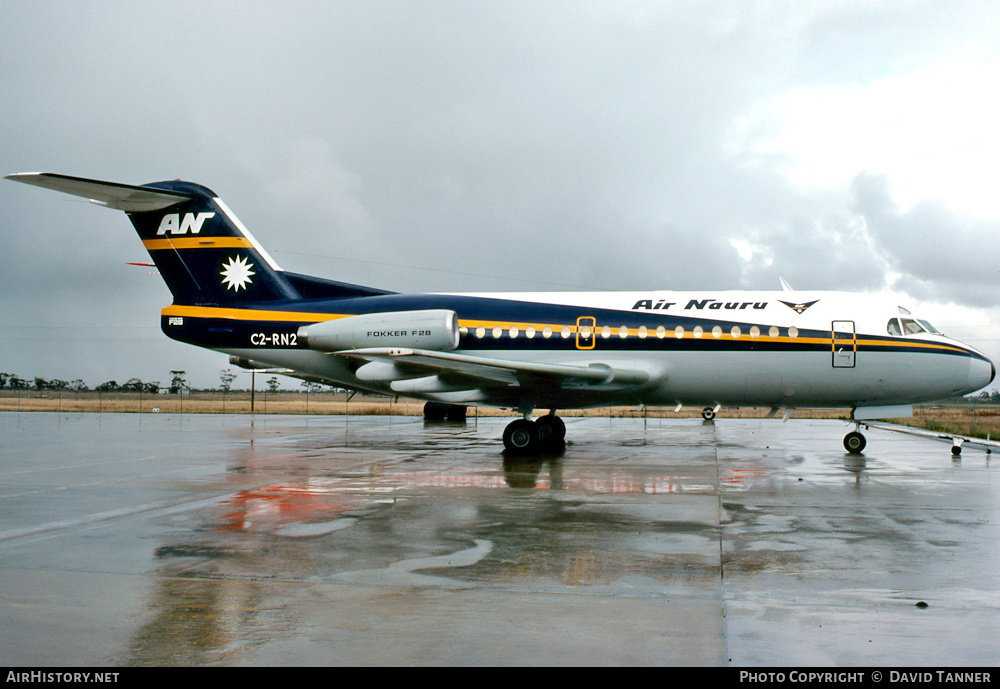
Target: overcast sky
463,145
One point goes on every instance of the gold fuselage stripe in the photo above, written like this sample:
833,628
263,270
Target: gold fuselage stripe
249,314
633,333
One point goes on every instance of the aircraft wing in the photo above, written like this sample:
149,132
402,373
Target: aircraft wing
120,197
419,370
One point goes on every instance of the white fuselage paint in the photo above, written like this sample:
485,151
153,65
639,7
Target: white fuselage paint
735,348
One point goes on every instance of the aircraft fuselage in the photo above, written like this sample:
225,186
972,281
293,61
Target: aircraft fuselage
787,349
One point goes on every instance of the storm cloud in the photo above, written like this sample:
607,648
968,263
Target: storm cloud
449,146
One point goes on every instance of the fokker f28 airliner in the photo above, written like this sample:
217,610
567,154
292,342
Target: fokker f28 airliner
527,351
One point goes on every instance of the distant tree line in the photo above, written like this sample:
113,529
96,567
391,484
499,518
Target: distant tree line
131,385
985,396
12,382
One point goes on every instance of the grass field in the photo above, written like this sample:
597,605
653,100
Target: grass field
301,403
965,419
976,420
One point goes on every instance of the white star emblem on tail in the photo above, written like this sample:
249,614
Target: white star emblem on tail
236,274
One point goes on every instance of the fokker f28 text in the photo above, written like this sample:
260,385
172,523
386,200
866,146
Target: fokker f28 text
532,351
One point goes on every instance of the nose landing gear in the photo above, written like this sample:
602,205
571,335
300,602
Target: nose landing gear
854,442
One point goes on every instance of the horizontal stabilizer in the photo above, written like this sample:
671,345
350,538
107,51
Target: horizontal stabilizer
120,197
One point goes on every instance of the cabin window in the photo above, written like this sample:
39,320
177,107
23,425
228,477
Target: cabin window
793,332
717,332
736,332
497,332
514,331
606,332
678,332
893,327
547,332
480,332
530,332
566,332
773,331
754,332
623,332
698,332
643,331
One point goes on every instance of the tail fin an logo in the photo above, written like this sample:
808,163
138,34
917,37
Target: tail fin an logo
191,222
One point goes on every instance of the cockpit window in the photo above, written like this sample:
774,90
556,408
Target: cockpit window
909,326
928,327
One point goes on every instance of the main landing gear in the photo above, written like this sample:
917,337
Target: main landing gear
437,411
524,436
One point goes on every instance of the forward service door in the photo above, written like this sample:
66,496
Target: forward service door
844,342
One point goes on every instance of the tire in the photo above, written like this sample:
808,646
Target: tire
456,412
854,442
551,429
435,411
708,413
520,437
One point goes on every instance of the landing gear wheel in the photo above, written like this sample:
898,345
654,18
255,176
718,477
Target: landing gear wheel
854,442
551,430
520,437
708,413
435,411
956,450
439,411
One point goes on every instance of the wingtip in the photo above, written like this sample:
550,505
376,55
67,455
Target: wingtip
14,176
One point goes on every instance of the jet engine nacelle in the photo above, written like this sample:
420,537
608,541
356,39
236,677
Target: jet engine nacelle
434,329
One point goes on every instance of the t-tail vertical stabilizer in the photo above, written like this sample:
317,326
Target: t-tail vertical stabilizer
204,253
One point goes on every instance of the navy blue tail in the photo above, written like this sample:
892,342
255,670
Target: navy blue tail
205,254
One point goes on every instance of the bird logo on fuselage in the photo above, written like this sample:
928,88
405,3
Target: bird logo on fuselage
799,308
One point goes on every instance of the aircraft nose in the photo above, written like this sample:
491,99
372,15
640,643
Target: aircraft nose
981,373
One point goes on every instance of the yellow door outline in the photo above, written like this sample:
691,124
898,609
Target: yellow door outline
586,332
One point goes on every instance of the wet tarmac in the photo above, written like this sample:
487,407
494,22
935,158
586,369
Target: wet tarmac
229,540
